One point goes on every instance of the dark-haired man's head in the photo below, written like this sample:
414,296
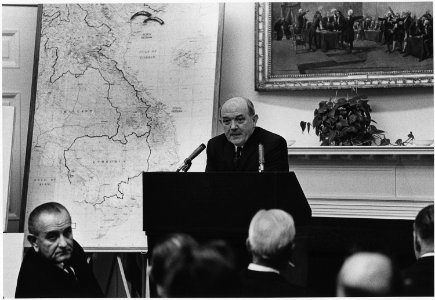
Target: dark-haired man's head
165,253
203,272
50,232
424,231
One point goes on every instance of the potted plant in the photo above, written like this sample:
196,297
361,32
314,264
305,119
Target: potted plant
347,122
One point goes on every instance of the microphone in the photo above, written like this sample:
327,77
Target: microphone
188,161
260,158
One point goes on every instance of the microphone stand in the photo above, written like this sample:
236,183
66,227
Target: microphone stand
185,167
188,161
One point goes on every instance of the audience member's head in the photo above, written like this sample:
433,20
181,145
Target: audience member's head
424,231
368,274
270,238
224,249
165,253
202,272
50,232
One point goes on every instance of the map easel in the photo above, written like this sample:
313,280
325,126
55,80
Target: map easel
100,120
126,275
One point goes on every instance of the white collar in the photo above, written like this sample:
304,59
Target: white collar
260,268
427,254
235,147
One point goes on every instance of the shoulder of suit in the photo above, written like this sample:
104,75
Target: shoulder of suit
220,137
263,132
78,250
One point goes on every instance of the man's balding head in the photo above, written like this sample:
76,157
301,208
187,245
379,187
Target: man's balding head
238,119
367,274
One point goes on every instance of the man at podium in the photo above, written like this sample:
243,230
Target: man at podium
237,149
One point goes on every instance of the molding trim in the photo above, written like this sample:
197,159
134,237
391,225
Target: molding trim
403,209
12,216
11,48
356,150
12,98
8,98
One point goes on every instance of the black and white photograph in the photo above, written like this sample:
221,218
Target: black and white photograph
210,149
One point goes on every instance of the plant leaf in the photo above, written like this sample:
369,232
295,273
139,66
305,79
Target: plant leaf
331,114
322,104
303,125
385,142
332,135
352,118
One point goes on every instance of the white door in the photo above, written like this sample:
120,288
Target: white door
18,44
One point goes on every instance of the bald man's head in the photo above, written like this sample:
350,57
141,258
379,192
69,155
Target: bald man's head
238,119
367,274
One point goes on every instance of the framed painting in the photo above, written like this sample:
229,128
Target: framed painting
337,45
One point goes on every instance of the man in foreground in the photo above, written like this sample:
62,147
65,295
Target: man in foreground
237,148
270,241
368,274
55,266
419,278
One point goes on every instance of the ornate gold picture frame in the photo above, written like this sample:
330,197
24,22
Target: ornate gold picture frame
288,60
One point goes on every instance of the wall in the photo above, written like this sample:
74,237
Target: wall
18,39
396,111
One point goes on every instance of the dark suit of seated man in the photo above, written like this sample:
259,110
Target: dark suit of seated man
237,148
419,277
270,241
55,266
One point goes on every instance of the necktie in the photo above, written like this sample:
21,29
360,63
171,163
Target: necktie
237,155
70,272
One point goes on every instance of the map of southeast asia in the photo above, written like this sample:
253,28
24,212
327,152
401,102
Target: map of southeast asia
122,89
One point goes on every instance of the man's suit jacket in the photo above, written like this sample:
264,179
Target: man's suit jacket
419,277
266,285
220,153
348,31
39,278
